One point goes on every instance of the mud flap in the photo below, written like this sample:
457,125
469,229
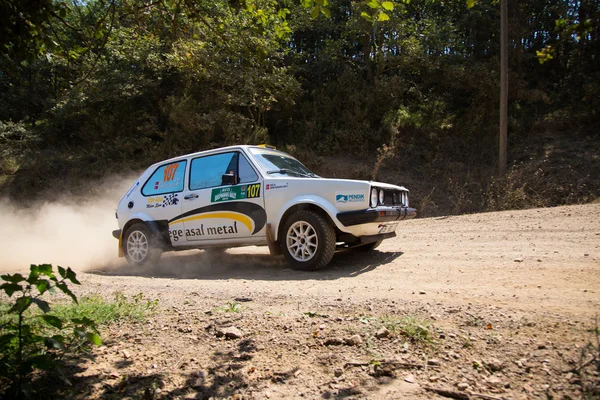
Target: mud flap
121,251
274,248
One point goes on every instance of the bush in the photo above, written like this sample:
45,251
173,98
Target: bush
36,341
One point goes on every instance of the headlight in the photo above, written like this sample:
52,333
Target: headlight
373,197
381,196
405,199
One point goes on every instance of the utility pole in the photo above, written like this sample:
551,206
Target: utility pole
502,157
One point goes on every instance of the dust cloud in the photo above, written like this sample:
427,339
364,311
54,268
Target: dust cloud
248,262
74,232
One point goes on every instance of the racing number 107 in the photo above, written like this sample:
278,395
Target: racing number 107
253,191
169,172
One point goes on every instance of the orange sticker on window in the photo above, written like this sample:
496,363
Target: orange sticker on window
169,172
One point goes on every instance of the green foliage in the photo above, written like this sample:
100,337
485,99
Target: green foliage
414,328
587,365
377,10
104,312
317,7
231,307
31,340
128,83
26,30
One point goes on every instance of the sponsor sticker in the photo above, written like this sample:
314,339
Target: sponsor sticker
349,198
244,217
163,201
167,185
273,186
231,193
202,230
132,189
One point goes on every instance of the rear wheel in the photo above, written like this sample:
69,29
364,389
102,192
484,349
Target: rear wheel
140,245
308,241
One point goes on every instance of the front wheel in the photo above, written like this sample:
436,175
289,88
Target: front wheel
308,242
140,245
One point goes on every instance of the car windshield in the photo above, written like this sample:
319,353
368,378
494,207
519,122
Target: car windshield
277,163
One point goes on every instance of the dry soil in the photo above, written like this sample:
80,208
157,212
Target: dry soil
492,306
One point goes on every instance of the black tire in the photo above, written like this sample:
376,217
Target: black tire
368,246
140,245
313,237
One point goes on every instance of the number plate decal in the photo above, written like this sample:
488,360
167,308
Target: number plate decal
389,228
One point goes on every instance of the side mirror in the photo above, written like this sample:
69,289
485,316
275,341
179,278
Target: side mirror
228,179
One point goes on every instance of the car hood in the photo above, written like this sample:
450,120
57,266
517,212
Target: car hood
354,182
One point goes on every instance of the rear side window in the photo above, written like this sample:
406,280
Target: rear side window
167,178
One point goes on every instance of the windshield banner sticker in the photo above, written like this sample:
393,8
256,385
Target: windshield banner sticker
235,193
349,198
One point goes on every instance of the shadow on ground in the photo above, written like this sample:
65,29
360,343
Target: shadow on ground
230,376
257,266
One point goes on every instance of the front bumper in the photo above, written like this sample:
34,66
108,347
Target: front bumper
378,214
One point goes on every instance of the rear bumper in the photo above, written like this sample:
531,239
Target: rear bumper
379,214
375,238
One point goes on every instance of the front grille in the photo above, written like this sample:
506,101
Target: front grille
395,198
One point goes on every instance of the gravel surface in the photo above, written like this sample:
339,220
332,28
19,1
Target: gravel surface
491,306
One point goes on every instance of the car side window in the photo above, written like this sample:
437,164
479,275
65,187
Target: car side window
167,178
246,172
208,171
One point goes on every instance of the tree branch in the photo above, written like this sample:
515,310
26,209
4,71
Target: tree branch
102,46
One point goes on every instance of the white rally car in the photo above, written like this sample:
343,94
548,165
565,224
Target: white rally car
254,195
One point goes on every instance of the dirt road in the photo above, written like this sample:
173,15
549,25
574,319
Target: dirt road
499,305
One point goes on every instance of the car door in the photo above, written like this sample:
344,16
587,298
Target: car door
223,201
162,194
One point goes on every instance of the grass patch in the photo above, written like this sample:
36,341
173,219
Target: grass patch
232,307
312,314
414,328
103,312
94,307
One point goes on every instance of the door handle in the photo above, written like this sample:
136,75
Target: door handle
191,196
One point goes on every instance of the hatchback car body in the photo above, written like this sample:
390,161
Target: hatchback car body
254,195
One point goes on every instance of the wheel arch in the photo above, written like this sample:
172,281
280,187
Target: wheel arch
312,206
160,229
130,223
321,242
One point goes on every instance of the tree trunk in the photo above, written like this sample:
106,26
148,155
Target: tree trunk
502,157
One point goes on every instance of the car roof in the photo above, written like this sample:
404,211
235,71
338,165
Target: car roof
217,150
